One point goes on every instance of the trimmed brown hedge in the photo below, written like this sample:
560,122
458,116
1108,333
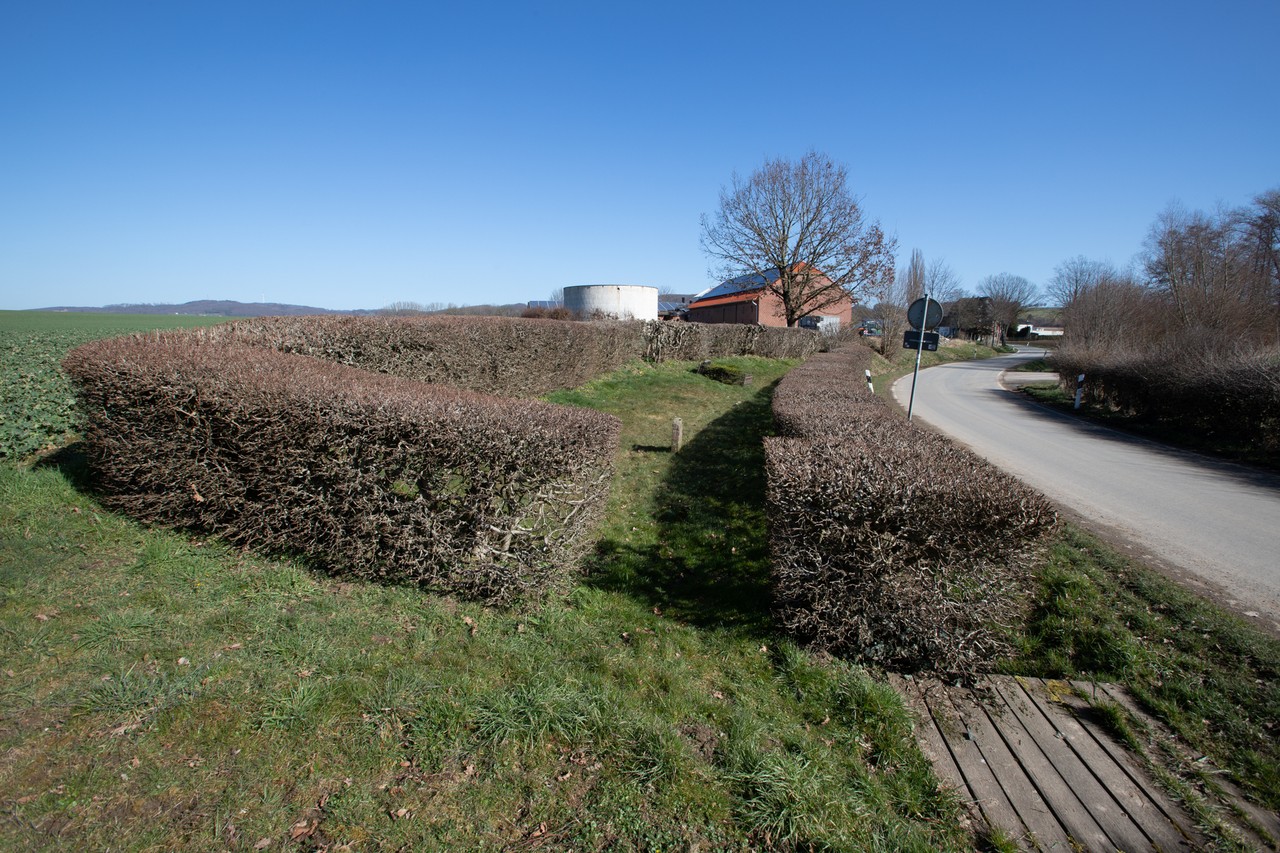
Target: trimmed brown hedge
497,355
827,396
1234,397
701,341
505,355
369,475
890,543
321,436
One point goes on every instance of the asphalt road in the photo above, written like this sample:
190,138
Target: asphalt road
1211,524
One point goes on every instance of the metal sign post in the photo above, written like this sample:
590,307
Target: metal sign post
923,314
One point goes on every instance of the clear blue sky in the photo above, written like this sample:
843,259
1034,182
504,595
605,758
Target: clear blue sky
353,154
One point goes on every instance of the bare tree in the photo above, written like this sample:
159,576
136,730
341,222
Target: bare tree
1104,308
1264,232
892,296
797,227
1009,294
405,309
1261,227
1217,271
557,296
969,316
1075,276
942,283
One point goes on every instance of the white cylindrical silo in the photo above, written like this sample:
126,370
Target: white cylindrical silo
615,301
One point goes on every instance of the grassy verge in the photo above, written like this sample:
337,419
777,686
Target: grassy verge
1201,442
162,691
1211,677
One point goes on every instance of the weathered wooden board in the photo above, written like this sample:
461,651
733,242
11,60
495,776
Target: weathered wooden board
1048,744
1115,771
1260,827
1031,797
978,781
932,743
1032,758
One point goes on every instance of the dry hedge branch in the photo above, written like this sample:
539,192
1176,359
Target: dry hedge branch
370,475
320,436
506,355
1234,396
890,543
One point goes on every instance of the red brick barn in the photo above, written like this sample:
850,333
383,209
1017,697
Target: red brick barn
746,299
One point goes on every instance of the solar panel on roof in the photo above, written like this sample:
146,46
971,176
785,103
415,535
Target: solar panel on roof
751,281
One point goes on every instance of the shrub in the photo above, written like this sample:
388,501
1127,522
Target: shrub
728,374
509,356
322,436
701,341
1232,396
497,355
890,543
556,312
373,476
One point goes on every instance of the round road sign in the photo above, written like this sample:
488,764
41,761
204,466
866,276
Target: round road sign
921,319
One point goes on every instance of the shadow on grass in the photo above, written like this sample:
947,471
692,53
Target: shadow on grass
73,462
709,565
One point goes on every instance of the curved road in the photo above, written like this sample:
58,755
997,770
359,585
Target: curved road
1211,524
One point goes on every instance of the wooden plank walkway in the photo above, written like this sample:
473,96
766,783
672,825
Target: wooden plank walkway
1030,757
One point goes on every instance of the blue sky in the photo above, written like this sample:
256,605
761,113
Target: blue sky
354,154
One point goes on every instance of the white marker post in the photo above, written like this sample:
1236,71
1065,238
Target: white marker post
870,387
1079,389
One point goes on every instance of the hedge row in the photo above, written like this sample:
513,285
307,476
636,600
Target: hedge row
365,474
349,439
1234,397
701,341
505,355
890,543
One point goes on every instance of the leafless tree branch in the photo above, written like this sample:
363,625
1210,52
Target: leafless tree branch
797,226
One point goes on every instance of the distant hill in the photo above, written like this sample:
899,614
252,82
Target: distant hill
213,308
230,308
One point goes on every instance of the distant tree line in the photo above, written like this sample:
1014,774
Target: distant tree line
1190,336
1204,282
412,309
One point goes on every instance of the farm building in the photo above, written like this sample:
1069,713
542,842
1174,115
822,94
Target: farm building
672,306
1031,330
747,299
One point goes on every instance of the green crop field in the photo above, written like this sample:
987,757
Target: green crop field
37,408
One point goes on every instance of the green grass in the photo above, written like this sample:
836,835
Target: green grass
165,691
36,400
1210,676
160,691
686,530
